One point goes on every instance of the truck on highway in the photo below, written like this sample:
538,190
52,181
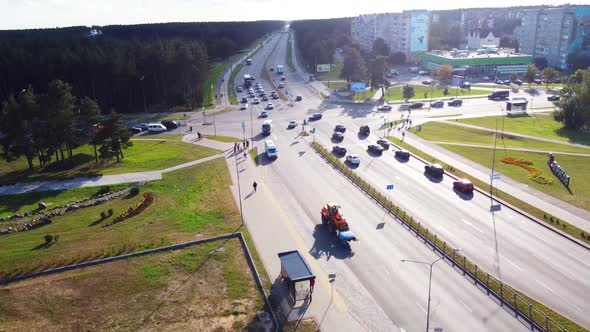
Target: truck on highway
500,94
270,149
266,127
280,70
335,222
248,80
248,62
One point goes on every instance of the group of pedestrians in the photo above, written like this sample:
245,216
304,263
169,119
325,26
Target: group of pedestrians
241,147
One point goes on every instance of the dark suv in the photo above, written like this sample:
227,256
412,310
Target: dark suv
339,150
455,102
434,170
464,186
170,124
402,154
340,128
375,148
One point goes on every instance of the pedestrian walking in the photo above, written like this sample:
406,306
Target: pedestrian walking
199,134
403,135
244,143
190,129
247,143
244,155
255,185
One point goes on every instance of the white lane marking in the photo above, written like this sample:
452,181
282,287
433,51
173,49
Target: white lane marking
509,261
465,305
493,251
470,224
579,260
419,306
553,266
561,297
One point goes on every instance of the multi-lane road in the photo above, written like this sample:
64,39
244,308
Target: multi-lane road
377,285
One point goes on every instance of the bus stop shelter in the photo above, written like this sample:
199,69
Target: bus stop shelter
297,273
517,105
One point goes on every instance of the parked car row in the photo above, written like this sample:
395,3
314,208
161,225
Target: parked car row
155,127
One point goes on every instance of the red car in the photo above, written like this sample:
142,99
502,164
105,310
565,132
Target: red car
464,186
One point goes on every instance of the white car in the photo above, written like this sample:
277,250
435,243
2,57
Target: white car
384,107
256,101
292,124
353,159
244,107
281,85
270,106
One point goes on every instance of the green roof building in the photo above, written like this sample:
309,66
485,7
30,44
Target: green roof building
488,62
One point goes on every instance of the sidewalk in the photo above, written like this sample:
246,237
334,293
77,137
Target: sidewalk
510,149
560,209
272,233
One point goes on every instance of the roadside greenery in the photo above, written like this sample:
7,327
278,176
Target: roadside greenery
574,111
508,293
429,92
210,86
232,93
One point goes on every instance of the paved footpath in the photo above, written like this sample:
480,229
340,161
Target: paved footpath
105,180
558,208
510,149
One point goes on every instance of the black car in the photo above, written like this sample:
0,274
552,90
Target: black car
375,148
416,105
170,124
298,98
337,136
437,103
434,170
384,143
553,98
364,131
244,100
315,116
340,128
518,82
455,102
339,150
402,154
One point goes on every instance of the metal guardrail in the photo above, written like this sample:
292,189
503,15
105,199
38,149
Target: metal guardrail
509,298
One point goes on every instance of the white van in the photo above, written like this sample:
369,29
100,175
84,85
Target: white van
270,149
156,127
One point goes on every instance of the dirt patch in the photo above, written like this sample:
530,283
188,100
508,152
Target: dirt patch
187,289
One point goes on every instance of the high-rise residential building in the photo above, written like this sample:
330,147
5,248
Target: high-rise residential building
405,32
552,32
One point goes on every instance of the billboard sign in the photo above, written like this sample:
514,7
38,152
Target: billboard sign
419,31
358,86
322,68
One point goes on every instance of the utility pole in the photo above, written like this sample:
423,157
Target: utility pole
239,190
493,164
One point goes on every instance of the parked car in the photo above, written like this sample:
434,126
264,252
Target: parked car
416,105
434,170
538,81
507,82
426,82
353,159
240,89
337,136
402,154
339,150
244,106
364,131
499,82
135,129
143,126
518,82
292,124
384,143
298,98
437,103
463,185
264,114
466,85
375,148
455,102
315,116
340,128
384,107
170,124
553,98
156,127
281,85
486,78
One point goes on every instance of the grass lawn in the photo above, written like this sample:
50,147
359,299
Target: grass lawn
231,86
341,86
576,167
168,137
13,204
141,156
193,289
425,92
190,201
333,74
210,84
362,96
225,110
442,132
541,125
226,139
290,55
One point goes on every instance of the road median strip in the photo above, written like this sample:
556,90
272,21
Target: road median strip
537,315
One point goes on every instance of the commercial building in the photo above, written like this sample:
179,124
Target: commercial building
553,32
405,32
484,62
474,41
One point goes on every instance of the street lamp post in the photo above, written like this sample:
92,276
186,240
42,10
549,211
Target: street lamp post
239,190
431,265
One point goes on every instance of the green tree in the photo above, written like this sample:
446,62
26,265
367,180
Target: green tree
444,74
531,74
17,123
380,48
574,105
377,71
407,92
354,68
90,119
396,58
113,136
549,75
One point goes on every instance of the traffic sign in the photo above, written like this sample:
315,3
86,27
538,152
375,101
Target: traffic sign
389,187
312,130
495,176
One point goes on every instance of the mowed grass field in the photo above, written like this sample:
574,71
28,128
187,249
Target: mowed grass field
203,288
143,155
576,167
13,204
190,202
396,94
539,124
444,132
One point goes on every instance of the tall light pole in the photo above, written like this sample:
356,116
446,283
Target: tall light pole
431,265
143,91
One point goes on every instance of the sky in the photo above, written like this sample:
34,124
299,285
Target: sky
26,14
